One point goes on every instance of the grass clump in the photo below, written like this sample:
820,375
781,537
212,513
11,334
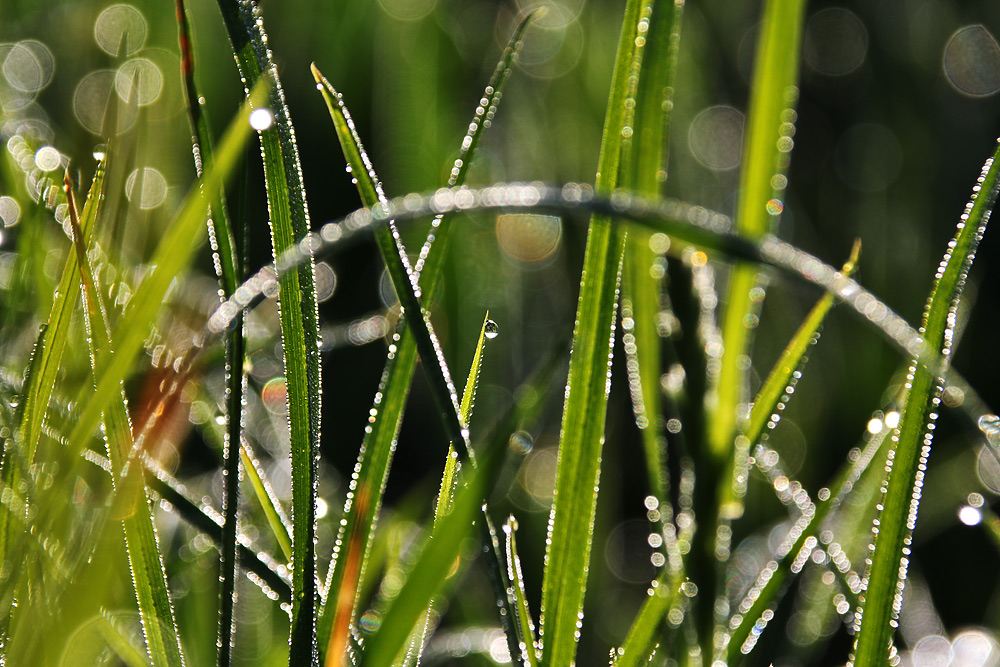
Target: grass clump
173,490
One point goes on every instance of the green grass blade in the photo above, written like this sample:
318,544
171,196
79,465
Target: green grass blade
439,553
376,451
449,478
131,502
791,358
641,638
174,251
397,264
641,290
289,219
567,553
911,449
524,624
765,155
268,502
229,271
46,360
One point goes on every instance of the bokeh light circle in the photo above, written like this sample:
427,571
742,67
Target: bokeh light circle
972,61
528,238
152,187
716,137
120,30
835,42
407,10
145,74
28,66
93,100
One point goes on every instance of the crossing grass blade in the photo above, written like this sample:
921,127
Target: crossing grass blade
764,406
361,510
131,502
268,502
263,566
911,448
570,533
289,220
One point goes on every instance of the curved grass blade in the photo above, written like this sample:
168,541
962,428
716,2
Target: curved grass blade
132,504
230,273
570,530
289,220
911,448
692,224
380,435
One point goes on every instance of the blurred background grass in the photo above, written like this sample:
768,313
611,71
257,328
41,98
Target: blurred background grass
898,109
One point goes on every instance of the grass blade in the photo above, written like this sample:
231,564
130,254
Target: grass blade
567,552
230,273
172,254
404,279
766,147
911,448
276,518
46,360
132,504
439,553
524,625
289,220
380,435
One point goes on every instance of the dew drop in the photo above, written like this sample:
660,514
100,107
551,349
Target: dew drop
261,119
491,330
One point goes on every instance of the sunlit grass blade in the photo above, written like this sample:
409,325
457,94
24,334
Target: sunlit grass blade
174,251
641,293
440,551
130,500
641,639
289,220
46,360
523,622
268,502
449,478
571,522
379,442
765,160
403,277
911,449
228,267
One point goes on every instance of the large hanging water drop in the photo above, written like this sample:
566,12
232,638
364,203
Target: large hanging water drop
491,330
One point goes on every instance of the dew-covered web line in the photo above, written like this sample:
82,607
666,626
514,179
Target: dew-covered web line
686,222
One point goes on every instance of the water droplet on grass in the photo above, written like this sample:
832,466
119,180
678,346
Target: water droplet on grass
491,330
261,119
